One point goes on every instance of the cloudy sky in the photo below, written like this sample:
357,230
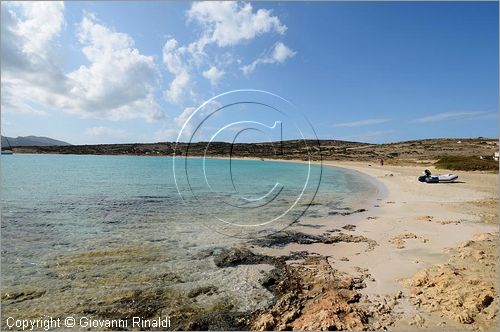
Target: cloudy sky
102,72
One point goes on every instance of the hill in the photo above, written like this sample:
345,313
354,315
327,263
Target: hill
427,150
31,141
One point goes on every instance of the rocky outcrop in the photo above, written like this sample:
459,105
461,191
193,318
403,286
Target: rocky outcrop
465,289
314,296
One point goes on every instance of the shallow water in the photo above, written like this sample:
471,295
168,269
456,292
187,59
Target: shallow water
81,232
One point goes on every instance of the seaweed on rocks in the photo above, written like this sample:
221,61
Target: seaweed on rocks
241,256
140,303
21,296
310,225
221,316
184,313
346,213
281,239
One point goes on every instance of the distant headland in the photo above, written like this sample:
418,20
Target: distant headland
31,141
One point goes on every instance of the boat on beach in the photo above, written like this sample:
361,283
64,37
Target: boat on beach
429,178
447,177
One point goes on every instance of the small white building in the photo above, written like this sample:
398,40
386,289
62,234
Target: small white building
495,156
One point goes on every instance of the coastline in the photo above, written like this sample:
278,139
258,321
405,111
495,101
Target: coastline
417,227
406,255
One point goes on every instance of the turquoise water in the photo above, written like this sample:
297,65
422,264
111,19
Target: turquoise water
58,208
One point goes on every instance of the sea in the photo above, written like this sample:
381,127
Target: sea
94,235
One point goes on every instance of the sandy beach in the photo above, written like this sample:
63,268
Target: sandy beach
421,255
398,255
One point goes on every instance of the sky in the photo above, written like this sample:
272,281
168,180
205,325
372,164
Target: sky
118,72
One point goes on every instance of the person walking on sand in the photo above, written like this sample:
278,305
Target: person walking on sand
381,162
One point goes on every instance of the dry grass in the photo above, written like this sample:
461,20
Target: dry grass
462,163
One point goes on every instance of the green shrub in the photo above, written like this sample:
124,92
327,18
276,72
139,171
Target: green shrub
467,164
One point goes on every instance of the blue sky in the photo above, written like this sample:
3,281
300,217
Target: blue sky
104,72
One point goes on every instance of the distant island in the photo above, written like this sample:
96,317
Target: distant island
31,141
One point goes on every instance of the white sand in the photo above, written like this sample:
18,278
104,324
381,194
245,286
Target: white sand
404,210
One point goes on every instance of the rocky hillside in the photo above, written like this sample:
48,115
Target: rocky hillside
411,151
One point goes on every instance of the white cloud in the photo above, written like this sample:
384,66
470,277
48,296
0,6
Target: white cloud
227,23
187,127
166,135
184,116
12,103
361,123
189,120
279,54
178,87
42,22
213,75
181,123
105,132
118,83
173,58
29,69
448,116
224,24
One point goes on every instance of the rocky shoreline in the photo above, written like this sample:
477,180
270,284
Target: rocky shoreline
310,293
386,266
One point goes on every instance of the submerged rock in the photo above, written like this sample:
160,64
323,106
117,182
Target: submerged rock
241,256
281,239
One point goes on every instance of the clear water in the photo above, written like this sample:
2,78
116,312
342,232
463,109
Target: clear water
86,229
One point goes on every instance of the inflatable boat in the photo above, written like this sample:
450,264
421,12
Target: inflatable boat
447,177
428,178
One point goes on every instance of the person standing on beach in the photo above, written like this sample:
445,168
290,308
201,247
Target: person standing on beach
381,162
